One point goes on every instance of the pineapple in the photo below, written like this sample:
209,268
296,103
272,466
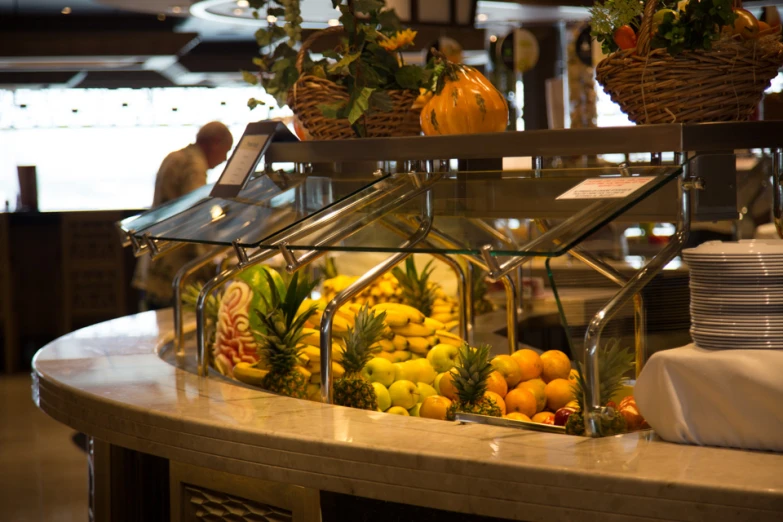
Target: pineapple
481,304
417,291
352,389
282,327
471,382
330,268
613,363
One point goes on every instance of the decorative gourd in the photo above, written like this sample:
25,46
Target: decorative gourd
465,102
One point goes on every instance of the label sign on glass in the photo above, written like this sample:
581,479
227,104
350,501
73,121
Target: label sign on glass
603,188
241,165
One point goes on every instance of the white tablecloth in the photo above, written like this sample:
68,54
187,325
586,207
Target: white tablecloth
730,398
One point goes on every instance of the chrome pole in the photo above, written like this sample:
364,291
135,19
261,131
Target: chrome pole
469,304
777,189
463,292
635,285
178,285
356,287
511,312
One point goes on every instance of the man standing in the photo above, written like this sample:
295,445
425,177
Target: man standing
181,172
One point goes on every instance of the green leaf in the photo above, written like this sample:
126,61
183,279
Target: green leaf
389,21
345,61
331,53
410,77
360,105
331,110
380,100
249,77
275,11
368,6
252,103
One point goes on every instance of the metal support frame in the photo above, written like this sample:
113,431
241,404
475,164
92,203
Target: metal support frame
178,285
595,410
777,189
356,287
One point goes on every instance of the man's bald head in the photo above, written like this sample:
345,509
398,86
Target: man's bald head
215,141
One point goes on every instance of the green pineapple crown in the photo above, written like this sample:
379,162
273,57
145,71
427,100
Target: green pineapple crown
190,300
613,363
281,324
472,373
368,330
330,268
416,289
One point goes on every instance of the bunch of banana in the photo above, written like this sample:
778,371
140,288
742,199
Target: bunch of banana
445,309
385,289
413,333
309,353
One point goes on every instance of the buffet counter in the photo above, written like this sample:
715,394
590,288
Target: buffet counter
233,449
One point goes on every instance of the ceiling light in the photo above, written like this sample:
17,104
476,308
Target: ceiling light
176,9
271,19
481,17
493,38
66,10
243,3
333,22
161,17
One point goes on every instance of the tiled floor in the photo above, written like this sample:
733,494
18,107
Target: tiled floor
43,475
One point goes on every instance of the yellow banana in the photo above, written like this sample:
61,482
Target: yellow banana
385,345
449,338
400,342
443,318
304,371
433,340
439,301
315,378
418,345
311,337
400,356
443,309
451,325
443,334
348,316
313,392
414,315
414,330
433,323
389,356
387,332
246,373
395,319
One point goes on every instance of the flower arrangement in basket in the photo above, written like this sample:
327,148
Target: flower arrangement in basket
361,88
686,62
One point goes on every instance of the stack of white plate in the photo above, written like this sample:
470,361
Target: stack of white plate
736,294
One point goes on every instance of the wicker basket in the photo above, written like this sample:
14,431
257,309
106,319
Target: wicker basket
310,92
723,84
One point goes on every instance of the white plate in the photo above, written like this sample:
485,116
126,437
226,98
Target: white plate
716,298
732,334
743,247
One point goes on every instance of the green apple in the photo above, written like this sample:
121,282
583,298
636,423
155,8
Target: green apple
399,371
425,390
426,373
438,377
408,371
379,370
415,410
382,396
443,357
404,393
398,410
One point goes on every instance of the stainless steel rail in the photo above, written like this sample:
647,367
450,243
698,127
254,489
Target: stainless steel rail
595,410
356,287
178,285
777,189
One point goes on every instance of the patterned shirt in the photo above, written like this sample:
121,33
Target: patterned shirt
181,172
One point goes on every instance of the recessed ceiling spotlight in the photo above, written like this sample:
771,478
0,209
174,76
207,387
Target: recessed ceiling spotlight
333,22
493,38
176,9
238,11
161,17
481,17
271,19
66,10
243,3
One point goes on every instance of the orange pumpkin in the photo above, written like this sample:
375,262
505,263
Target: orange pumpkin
467,104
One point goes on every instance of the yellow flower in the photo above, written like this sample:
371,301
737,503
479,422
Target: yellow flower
399,40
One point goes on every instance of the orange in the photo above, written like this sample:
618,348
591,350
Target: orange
498,400
446,386
573,376
529,363
496,383
508,368
559,392
544,417
522,401
556,365
515,415
435,407
538,388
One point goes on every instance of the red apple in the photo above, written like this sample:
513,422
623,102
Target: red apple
561,415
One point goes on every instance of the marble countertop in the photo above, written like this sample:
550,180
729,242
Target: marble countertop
109,381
